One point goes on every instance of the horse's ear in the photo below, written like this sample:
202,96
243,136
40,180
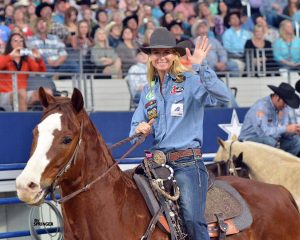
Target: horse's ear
221,142
234,138
77,100
45,98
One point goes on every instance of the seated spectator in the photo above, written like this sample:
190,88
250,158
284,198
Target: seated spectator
81,40
104,56
166,19
132,22
126,50
271,8
15,59
54,53
71,23
146,18
267,121
137,76
234,40
114,31
167,6
20,21
270,33
175,27
102,20
246,22
157,13
60,10
287,48
217,57
215,23
87,15
31,15
260,52
117,17
45,10
291,8
186,8
8,14
52,49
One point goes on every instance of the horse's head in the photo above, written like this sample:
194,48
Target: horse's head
224,151
55,140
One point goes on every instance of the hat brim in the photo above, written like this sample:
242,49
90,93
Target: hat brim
292,100
180,50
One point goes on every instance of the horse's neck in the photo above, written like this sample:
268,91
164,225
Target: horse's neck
108,198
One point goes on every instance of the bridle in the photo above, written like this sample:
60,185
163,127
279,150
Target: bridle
231,169
73,158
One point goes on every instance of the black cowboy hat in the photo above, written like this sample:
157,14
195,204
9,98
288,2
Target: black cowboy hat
186,44
162,38
41,6
173,23
287,93
126,20
162,4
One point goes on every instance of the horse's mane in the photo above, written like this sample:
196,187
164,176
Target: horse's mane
259,148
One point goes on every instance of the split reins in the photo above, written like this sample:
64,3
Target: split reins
73,158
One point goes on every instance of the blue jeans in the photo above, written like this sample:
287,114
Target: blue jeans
192,179
288,143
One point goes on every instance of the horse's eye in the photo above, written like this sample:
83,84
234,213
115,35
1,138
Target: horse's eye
66,140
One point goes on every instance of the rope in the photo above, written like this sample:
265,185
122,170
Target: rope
32,230
155,185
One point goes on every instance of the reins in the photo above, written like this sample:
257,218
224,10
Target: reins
141,139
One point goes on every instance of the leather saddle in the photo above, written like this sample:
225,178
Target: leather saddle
226,212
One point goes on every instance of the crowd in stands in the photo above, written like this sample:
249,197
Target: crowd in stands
106,34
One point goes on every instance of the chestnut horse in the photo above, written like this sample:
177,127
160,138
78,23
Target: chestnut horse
67,150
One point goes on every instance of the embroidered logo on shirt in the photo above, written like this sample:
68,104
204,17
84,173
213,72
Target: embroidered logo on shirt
176,89
150,95
177,110
152,113
150,103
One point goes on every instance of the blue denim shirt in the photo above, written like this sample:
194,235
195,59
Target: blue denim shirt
179,110
263,120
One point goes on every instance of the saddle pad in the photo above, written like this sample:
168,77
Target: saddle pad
219,200
245,219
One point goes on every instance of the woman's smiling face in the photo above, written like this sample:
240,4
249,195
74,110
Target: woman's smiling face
162,59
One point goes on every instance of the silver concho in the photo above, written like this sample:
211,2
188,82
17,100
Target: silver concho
159,157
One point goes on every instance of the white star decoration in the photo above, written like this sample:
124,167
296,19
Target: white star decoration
233,128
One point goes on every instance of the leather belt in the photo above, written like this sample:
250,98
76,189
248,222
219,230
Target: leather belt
174,156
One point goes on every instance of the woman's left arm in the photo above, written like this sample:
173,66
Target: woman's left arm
215,88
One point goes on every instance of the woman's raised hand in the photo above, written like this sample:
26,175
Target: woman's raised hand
201,49
15,52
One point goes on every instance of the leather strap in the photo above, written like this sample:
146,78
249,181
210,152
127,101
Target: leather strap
174,156
151,226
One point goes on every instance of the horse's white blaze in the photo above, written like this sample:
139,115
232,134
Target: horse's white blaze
39,161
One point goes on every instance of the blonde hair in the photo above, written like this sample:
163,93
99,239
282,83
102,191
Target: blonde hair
96,38
177,70
281,28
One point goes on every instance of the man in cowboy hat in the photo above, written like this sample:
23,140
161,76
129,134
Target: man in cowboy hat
267,121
